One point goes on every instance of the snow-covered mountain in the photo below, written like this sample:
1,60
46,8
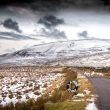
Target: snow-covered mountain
89,52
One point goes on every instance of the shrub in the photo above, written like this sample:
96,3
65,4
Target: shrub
40,103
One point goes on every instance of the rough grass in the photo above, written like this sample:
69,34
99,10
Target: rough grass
61,94
60,99
66,105
85,84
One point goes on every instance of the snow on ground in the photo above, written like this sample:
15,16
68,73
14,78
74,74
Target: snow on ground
86,92
18,88
91,106
89,52
80,95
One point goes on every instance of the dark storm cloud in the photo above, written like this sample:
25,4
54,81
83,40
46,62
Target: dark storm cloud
54,33
59,1
44,5
83,34
10,24
53,4
50,21
13,36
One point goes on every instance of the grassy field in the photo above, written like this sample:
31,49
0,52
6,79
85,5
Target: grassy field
66,105
60,99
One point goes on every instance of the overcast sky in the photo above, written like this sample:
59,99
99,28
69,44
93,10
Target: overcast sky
31,22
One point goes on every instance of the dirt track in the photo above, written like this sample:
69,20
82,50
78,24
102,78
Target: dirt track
102,86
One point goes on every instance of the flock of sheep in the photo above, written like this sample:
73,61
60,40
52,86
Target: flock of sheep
93,74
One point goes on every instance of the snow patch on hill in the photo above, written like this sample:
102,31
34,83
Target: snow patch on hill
89,52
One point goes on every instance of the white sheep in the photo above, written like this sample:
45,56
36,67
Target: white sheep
87,74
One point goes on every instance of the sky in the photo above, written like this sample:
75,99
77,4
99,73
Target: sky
24,23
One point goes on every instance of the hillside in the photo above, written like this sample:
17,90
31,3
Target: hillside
89,52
